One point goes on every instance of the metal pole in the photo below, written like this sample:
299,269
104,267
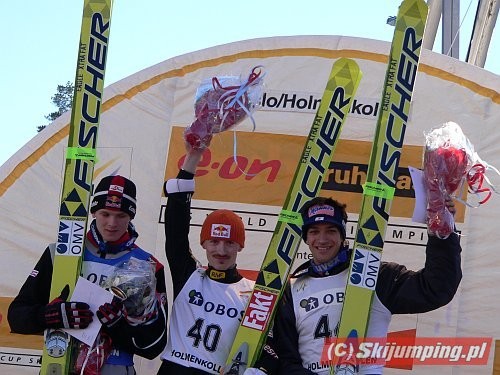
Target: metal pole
450,28
484,23
435,10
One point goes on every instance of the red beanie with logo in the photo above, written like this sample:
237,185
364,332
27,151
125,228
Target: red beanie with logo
223,225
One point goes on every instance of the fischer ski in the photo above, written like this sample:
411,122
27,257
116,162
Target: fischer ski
78,171
314,162
378,191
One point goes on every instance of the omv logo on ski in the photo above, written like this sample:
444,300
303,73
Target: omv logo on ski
364,270
309,303
70,237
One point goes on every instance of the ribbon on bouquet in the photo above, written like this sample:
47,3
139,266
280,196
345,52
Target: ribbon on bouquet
450,162
221,103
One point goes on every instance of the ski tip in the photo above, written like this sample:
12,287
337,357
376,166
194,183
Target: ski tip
353,334
238,363
56,342
348,364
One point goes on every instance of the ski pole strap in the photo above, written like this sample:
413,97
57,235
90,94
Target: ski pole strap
82,153
377,190
291,217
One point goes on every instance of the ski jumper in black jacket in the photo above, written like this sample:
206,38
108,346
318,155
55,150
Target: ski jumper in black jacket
113,206
127,340
300,328
208,303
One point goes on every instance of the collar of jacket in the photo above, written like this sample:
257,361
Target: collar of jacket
126,242
307,268
229,276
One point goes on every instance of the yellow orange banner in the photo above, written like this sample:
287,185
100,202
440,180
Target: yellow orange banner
263,171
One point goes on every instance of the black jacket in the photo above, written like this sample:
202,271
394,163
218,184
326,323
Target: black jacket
401,290
183,264
25,314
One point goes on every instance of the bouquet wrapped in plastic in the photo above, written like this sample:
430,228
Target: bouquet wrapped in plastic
90,359
134,283
221,103
449,162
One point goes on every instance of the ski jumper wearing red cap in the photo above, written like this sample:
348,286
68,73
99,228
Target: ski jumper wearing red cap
208,302
110,241
311,305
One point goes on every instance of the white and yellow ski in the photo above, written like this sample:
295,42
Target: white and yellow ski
378,191
78,171
307,181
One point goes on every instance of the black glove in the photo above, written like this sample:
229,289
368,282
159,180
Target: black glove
62,314
110,313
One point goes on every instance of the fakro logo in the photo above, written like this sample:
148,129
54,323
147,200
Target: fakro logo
259,310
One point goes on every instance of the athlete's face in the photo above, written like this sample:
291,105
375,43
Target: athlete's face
111,224
221,254
324,241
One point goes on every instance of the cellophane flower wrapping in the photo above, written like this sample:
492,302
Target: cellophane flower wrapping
448,156
89,360
221,103
134,282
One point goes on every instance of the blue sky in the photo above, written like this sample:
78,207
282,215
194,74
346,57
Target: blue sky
39,41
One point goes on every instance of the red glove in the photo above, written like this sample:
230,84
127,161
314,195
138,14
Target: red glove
62,314
110,313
